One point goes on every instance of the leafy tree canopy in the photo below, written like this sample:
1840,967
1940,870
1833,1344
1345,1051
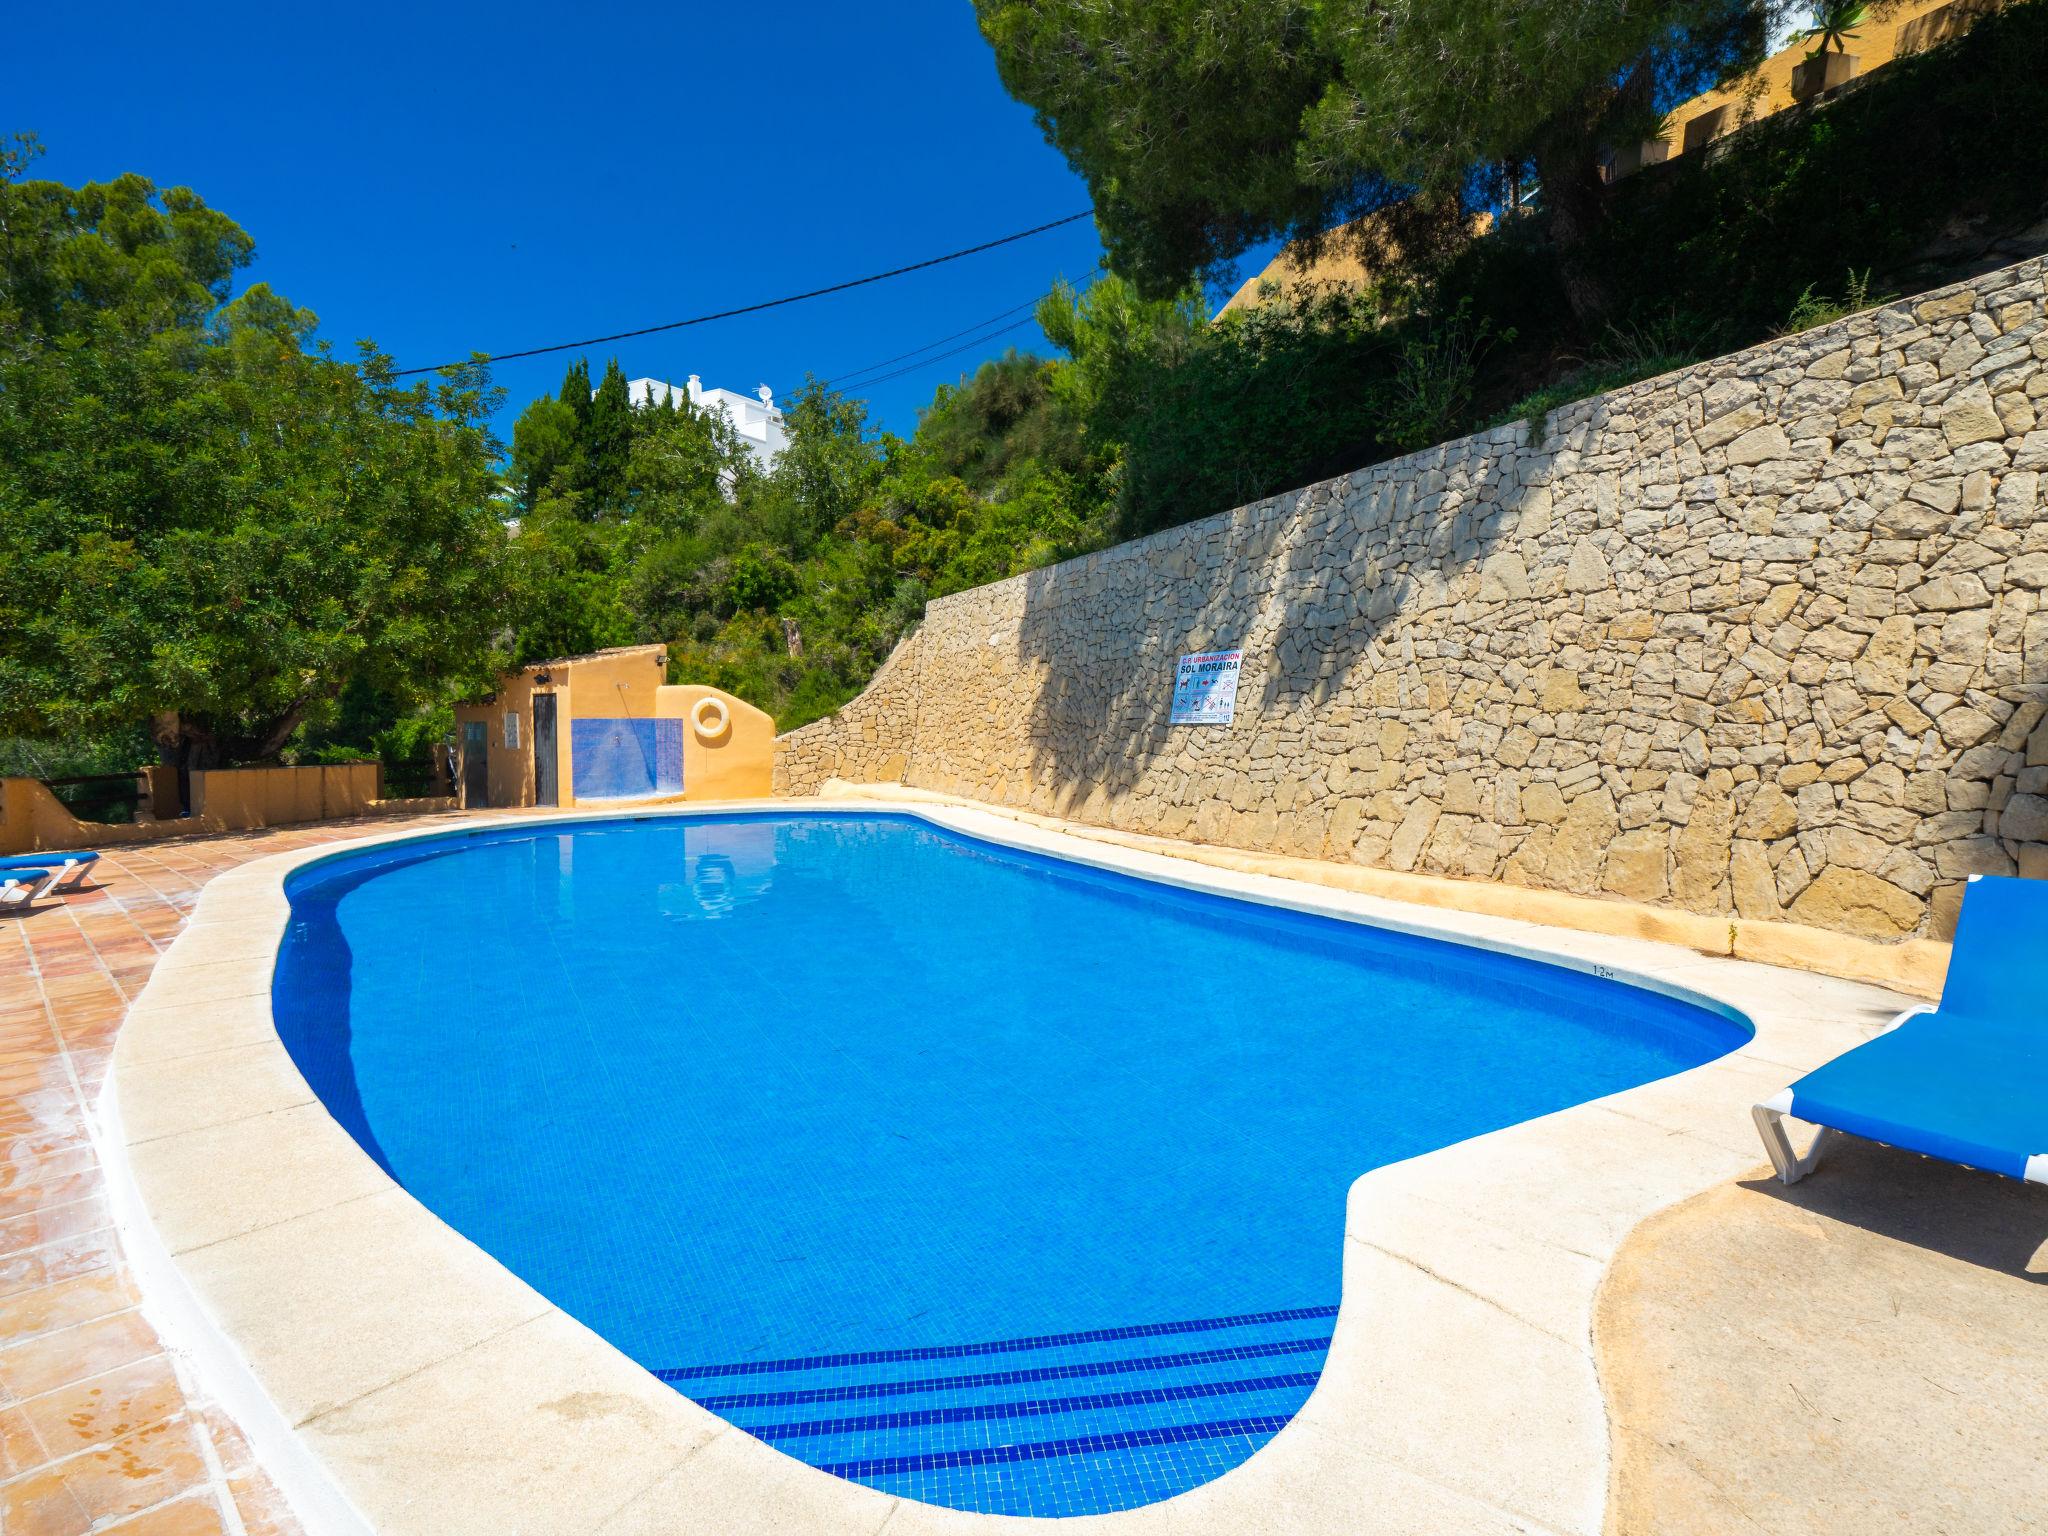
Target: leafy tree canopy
787,586
206,519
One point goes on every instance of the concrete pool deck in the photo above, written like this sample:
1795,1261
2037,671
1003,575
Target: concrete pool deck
397,1379
1865,1351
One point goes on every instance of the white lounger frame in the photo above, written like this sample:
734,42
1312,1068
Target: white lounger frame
1770,1122
18,894
1770,1117
67,878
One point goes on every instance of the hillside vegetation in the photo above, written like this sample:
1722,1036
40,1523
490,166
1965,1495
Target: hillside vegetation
252,542
792,587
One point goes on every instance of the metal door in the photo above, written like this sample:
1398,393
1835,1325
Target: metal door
545,762
476,765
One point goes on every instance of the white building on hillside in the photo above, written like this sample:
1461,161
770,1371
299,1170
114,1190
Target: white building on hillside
755,418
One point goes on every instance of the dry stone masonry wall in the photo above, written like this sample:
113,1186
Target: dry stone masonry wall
1764,637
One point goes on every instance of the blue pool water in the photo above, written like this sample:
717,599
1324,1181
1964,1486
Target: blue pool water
979,1177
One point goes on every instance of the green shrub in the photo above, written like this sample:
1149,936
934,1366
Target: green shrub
1257,403
1812,309
1939,141
1627,354
1535,408
23,757
1436,367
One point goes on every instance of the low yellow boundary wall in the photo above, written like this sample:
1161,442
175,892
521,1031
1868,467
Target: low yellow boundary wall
33,820
270,797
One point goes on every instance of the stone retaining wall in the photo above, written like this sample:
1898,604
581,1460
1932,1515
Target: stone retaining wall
1763,637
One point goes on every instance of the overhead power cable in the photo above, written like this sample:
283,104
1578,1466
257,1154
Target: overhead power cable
859,378
854,376
750,309
965,346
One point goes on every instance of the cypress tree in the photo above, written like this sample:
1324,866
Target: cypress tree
576,391
608,439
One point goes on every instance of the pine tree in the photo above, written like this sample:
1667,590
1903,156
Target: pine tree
1204,127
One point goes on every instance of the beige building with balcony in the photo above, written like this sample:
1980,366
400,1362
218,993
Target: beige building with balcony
1792,76
1798,73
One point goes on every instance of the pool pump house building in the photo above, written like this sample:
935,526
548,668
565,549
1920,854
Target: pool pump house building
608,728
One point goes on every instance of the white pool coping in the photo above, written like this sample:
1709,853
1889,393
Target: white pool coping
395,1378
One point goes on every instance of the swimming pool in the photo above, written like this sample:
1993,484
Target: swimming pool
980,1177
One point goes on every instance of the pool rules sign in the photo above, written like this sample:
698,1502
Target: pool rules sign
1205,688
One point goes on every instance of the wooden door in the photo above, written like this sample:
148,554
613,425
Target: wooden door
546,762
476,765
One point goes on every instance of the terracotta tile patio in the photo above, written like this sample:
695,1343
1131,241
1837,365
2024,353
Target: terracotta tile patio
101,1430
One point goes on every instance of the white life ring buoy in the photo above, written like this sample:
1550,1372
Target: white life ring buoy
709,717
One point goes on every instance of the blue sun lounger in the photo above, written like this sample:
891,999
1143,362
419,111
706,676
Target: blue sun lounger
22,886
71,867
1966,1082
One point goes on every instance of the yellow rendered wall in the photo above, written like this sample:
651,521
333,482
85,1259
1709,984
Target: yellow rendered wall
33,820
17,821
615,686
736,764
510,769
1885,34
162,798
611,685
270,797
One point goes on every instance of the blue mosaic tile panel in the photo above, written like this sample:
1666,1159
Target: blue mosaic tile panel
625,759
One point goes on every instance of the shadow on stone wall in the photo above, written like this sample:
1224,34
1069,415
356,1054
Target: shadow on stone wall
1762,638
1307,583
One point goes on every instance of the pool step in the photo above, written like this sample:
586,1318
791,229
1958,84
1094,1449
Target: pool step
1074,1421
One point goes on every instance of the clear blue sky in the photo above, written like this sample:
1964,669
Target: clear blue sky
448,178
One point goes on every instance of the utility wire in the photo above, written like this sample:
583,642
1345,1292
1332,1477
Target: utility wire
857,378
966,346
750,309
837,380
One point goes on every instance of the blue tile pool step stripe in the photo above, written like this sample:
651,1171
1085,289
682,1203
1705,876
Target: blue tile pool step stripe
992,1347
1067,1372
1061,1423
972,1413
1039,1450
